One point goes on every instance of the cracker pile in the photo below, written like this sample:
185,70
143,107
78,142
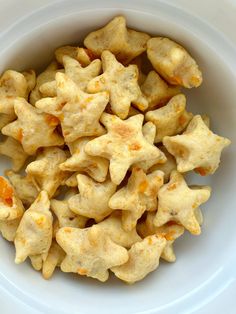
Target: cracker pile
104,139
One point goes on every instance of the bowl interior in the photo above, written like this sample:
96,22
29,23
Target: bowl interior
201,261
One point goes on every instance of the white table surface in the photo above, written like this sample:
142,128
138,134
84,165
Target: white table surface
221,14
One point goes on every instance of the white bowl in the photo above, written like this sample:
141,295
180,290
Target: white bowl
205,265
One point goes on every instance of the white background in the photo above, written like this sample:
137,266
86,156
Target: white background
221,14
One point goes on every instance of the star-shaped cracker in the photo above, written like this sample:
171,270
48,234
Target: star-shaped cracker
10,205
124,145
53,260
89,252
139,195
177,202
23,186
170,119
81,75
157,91
166,167
78,112
78,74
125,43
8,228
12,85
122,84
48,75
173,62
45,171
14,150
32,129
34,234
92,201
65,216
113,227
83,55
197,148
144,258
170,231
149,132
95,167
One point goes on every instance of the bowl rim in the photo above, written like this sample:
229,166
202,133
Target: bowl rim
216,40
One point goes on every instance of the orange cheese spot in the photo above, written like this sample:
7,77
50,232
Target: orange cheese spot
140,106
135,146
176,80
20,135
22,240
182,120
202,171
9,201
124,131
143,186
170,236
82,271
6,192
150,241
40,221
51,120
67,230
172,187
195,205
89,99
161,234
196,81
